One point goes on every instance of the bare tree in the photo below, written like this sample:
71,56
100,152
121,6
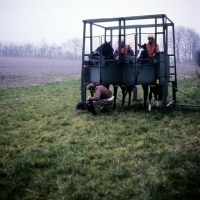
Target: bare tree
44,47
197,57
73,44
28,50
1,49
187,42
190,43
66,49
194,41
52,50
178,41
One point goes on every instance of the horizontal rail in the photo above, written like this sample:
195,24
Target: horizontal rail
170,103
193,105
125,18
185,94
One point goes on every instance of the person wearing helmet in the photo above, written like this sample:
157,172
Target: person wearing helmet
102,97
126,49
151,46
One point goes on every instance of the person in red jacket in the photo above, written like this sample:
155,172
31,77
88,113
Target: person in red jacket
151,46
125,49
102,97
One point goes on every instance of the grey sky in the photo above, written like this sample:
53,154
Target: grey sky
59,20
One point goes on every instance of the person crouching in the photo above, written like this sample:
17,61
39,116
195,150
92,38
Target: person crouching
101,97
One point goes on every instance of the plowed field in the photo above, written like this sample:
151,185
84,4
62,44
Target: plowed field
19,72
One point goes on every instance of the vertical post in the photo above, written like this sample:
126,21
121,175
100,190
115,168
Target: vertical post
166,67
119,42
83,87
174,84
136,68
111,37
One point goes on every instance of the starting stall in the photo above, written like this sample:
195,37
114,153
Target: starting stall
127,69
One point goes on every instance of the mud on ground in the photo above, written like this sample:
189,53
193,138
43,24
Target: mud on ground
20,72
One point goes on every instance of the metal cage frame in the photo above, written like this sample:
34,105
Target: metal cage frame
128,70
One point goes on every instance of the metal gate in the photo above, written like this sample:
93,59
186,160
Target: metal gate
126,70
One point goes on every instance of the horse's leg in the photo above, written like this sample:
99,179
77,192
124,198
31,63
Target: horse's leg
150,97
129,88
155,92
145,94
115,95
124,92
158,94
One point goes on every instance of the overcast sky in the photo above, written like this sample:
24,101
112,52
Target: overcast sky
59,20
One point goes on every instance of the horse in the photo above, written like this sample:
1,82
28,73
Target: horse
154,89
107,51
128,90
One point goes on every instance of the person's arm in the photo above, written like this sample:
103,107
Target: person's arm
97,95
157,48
116,53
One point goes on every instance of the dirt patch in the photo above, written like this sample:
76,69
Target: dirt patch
20,72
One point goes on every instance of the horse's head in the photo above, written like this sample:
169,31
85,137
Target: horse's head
144,46
142,52
106,50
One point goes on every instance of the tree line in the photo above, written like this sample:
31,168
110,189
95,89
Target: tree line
71,49
187,44
187,48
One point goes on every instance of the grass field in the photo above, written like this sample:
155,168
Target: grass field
49,150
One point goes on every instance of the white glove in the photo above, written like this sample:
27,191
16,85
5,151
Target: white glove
88,98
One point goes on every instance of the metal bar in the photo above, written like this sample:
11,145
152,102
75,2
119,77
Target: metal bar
170,103
125,18
136,26
185,94
111,37
155,35
168,19
119,42
136,68
177,104
91,42
99,25
83,87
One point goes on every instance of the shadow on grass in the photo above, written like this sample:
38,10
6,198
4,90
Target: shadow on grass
179,177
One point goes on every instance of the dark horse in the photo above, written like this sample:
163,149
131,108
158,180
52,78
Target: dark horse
155,90
107,52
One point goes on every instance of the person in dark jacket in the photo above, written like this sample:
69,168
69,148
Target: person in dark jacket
101,97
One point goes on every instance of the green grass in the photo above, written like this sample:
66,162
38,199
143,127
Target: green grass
49,150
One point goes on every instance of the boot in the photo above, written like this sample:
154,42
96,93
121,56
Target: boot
104,110
91,108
